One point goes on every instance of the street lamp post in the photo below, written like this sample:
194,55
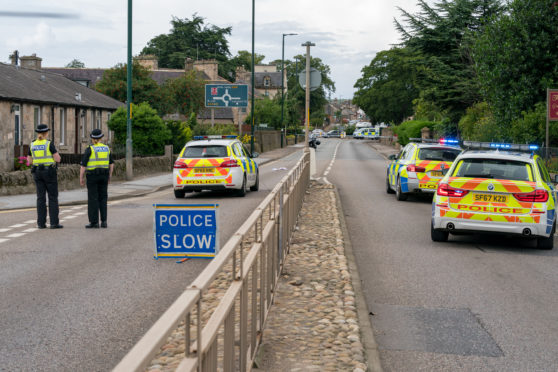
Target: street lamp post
307,124
253,79
283,87
129,158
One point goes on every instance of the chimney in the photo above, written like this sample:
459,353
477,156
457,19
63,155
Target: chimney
188,64
209,66
148,61
33,62
14,58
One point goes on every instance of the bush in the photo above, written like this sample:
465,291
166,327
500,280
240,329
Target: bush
350,130
411,129
181,134
218,129
21,163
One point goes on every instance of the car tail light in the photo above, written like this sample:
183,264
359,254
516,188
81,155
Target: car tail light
231,163
415,168
180,165
539,196
446,190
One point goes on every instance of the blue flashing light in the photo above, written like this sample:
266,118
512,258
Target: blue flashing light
198,137
533,147
500,145
449,141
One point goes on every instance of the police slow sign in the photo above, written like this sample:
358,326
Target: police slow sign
186,230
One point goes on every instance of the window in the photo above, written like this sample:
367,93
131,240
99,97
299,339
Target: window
62,126
83,119
108,130
98,120
267,81
493,168
237,150
205,152
438,154
36,116
544,173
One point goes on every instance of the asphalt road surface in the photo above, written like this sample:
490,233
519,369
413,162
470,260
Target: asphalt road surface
475,303
78,299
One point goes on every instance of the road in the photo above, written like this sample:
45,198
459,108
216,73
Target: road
78,299
472,304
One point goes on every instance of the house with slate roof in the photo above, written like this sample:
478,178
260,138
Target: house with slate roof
30,96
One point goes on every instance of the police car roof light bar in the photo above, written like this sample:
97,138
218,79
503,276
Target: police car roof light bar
476,145
229,136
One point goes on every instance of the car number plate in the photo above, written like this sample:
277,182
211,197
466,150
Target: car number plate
490,198
203,170
436,174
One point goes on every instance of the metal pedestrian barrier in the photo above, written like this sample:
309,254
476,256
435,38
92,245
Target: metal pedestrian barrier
223,312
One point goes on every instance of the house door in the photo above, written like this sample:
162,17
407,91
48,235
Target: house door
76,131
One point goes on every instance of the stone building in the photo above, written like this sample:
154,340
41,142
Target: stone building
30,96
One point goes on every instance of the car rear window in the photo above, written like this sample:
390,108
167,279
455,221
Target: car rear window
493,168
439,154
205,152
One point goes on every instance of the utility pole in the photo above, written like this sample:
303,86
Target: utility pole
284,136
307,123
253,78
129,161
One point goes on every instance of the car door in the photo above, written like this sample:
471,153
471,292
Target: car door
251,166
394,167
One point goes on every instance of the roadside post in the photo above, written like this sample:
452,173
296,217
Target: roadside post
186,230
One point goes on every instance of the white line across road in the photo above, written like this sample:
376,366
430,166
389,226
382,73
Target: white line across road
331,163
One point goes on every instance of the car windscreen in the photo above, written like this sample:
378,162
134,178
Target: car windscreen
438,154
205,152
493,168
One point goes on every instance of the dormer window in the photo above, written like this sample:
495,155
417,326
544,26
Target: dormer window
267,81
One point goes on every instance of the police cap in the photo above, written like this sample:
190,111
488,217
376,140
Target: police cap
42,128
96,133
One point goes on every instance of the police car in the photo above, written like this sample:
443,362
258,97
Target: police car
419,166
369,133
215,163
496,188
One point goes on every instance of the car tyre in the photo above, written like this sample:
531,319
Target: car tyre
438,235
399,195
242,191
179,194
388,186
547,243
256,186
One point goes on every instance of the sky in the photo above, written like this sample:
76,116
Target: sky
347,33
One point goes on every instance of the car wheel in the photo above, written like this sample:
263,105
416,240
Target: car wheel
242,191
399,195
438,235
256,186
179,194
388,186
547,243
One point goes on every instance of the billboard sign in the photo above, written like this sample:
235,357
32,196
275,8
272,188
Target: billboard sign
226,95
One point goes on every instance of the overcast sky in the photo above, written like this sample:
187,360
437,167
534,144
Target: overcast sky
347,33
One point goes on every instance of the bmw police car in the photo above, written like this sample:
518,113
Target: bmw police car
215,163
419,166
497,189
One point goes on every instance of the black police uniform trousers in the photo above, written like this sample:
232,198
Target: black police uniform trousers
97,194
47,182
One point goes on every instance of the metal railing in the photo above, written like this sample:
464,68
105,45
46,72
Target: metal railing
226,337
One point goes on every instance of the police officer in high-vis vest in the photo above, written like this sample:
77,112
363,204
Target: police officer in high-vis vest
97,165
44,157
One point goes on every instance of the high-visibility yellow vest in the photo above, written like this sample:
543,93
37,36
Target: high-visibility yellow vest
40,152
99,157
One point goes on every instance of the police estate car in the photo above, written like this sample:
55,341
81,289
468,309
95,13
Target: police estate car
419,166
496,189
215,163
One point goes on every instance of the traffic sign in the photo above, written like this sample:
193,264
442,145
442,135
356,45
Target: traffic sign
186,230
552,104
226,95
315,79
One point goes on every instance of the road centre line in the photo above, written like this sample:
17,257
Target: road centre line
18,225
331,163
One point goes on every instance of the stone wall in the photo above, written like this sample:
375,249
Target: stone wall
21,182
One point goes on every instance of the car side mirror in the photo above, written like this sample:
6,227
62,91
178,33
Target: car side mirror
445,171
255,154
392,157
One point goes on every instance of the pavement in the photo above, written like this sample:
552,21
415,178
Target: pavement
124,189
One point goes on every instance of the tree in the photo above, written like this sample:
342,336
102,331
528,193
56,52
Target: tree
386,90
144,88
76,63
184,94
149,133
191,38
180,134
516,58
244,59
266,111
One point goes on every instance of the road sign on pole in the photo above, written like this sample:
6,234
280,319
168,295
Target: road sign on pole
186,230
315,79
226,95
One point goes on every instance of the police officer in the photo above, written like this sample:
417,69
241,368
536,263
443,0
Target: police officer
45,159
97,165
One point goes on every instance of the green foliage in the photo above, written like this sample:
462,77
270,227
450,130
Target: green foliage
531,127
386,89
191,38
350,130
180,134
218,129
21,163
516,58
266,111
149,132
184,94
411,129
75,63
478,124
244,58
144,88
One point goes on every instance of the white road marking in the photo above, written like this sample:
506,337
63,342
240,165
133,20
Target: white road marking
70,217
331,164
18,225
31,230
4,230
3,240
80,213
30,221
15,235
